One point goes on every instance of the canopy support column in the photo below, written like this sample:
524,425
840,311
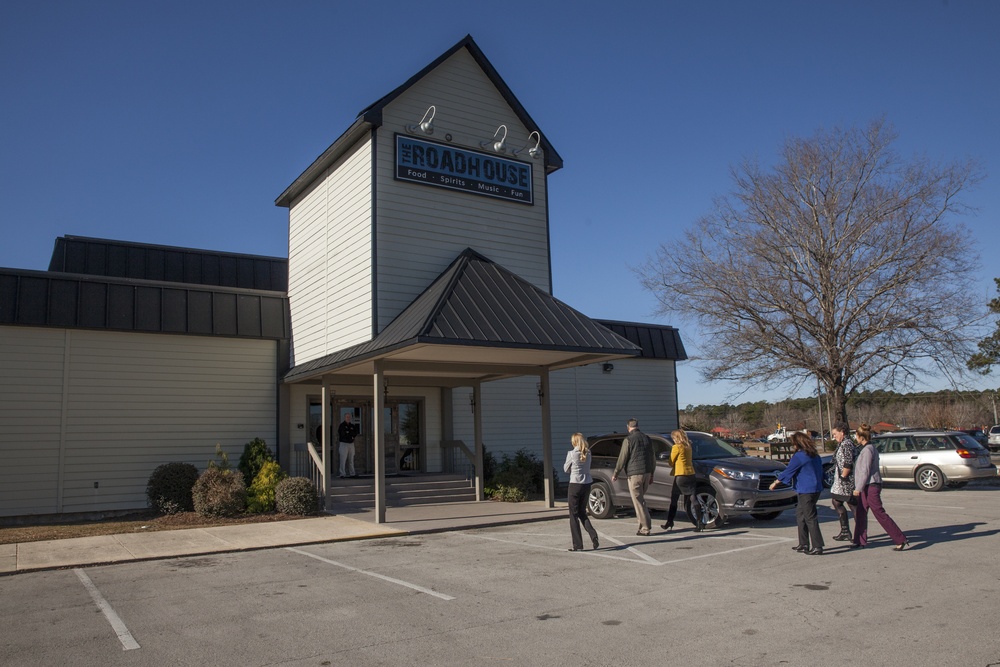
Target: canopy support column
477,430
543,398
378,430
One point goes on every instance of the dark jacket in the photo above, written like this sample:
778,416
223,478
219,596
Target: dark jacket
804,472
636,456
347,432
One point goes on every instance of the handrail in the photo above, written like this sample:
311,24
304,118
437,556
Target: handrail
317,473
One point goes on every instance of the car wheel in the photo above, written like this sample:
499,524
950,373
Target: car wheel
829,472
929,478
708,506
767,516
599,503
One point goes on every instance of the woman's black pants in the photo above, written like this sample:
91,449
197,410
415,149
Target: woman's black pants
808,522
577,497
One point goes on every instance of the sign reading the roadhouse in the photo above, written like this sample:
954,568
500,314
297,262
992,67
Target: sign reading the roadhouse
445,166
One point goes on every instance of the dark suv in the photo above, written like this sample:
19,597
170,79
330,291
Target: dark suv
729,482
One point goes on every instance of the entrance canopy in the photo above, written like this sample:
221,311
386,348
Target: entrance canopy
476,322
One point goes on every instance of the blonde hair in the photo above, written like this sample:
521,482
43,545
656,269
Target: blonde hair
864,432
580,443
680,438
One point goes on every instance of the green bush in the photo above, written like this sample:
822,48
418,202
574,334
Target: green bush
255,455
260,495
516,478
220,492
168,490
296,495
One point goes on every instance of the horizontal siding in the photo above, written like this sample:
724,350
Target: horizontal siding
30,409
421,229
134,401
330,290
584,399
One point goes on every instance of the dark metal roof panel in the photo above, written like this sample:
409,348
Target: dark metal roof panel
142,261
657,341
73,301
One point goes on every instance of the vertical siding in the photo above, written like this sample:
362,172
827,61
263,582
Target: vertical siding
135,401
421,229
30,407
583,399
329,259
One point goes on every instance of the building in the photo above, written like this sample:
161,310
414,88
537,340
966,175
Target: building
416,296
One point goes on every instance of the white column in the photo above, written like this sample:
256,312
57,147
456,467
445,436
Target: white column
547,438
378,431
326,397
477,430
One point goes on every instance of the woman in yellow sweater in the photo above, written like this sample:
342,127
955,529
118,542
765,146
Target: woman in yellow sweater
681,460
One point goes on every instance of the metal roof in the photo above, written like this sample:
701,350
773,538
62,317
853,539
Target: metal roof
658,341
476,303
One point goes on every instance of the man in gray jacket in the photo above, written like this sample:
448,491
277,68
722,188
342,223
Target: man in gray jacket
636,458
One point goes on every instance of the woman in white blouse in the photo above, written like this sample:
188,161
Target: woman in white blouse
578,466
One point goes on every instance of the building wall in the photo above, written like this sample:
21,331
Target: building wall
330,259
421,229
584,399
82,407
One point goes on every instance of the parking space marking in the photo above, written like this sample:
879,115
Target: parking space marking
922,506
383,577
640,557
124,636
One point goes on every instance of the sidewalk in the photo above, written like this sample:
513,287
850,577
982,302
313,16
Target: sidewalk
128,547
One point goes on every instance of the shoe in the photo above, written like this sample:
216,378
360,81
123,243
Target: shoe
575,549
643,533
818,551
843,537
597,545
800,548
700,527
855,545
900,547
668,526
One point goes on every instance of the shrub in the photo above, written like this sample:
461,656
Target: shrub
220,492
260,495
516,477
169,488
223,457
296,495
255,455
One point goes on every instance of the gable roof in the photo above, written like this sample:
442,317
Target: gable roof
478,303
371,117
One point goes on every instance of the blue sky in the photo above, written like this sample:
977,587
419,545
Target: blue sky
179,123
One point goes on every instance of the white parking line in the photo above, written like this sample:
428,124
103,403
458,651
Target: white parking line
124,636
922,506
373,574
776,540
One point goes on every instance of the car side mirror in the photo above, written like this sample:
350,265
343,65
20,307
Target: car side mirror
664,456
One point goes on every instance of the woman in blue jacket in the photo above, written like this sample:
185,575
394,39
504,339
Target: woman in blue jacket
805,473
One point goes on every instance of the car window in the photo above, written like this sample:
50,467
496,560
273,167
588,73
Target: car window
661,446
893,445
931,443
607,447
995,430
968,442
706,447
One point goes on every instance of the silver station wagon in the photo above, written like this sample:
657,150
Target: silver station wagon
932,459
729,482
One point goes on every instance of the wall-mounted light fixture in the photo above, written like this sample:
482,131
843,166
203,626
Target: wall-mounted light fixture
498,145
535,152
426,124
541,394
608,368
472,401
385,388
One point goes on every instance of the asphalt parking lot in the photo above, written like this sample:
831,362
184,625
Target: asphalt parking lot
514,596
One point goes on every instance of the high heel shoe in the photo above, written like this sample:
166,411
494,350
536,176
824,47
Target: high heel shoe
900,547
597,545
668,526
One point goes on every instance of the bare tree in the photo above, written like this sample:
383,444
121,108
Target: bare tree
841,263
989,347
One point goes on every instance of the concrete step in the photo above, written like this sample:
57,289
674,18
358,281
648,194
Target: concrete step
402,490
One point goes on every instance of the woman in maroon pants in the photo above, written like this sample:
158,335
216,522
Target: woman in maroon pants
868,489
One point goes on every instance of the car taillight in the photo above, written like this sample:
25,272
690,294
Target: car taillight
966,454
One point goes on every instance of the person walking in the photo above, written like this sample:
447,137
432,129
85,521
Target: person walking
578,466
868,490
842,490
684,482
636,459
805,473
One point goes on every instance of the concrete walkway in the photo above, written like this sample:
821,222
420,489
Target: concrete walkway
126,547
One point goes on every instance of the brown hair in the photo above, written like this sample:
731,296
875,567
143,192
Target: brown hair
804,443
580,443
864,432
680,438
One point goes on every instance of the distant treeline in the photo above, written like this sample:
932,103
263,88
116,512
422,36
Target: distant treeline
940,409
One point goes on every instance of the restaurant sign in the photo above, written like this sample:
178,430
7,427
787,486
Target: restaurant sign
445,166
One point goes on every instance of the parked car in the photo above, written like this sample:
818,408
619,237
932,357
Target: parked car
993,438
932,459
729,483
